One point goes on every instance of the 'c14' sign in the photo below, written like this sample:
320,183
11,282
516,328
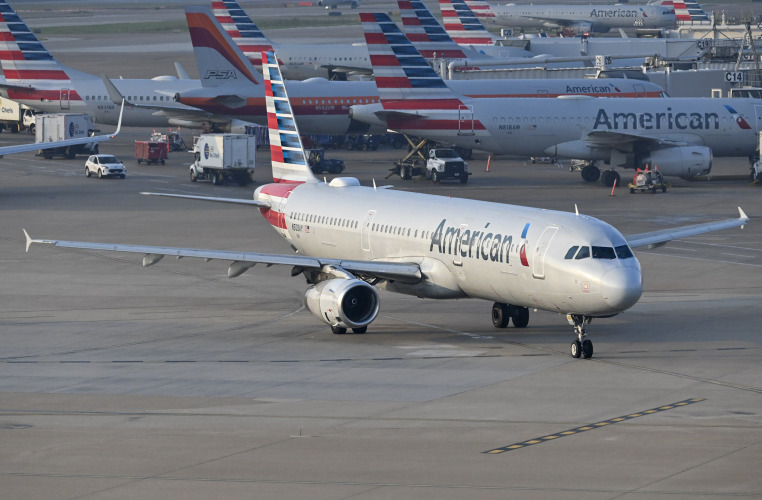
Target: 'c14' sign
734,76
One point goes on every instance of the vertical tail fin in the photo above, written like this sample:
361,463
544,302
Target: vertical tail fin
428,36
23,58
286,151
219,59
242,30
403,77
462,25
687,11
481,9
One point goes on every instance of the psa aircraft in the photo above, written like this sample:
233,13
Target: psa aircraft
678,135
299,61
33,77
232,88
592,18
350,240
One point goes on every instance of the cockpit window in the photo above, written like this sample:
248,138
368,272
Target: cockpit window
571,252
624,252
583,253
603,253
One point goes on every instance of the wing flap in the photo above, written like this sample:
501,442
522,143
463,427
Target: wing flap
655,239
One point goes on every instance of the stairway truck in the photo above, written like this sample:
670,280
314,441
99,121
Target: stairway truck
62,126
223,157
15,117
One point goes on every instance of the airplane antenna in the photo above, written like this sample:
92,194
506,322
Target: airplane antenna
374,183
576,210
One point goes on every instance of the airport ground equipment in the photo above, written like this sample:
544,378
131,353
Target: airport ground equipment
221,157
15,117
319,163
151,151
62,126
648,180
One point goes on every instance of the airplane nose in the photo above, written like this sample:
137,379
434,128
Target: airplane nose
621,287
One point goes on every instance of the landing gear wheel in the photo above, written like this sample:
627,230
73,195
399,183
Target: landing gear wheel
591,173
500,315
338,330
609,177
520,317
362,329
576,349
587,348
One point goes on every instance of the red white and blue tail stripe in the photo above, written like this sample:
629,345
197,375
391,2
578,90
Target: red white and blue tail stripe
481,9
286,150
403,77
24,59
687,11
428,36
461,24
242,30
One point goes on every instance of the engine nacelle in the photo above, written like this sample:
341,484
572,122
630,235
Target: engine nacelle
686,161
348,303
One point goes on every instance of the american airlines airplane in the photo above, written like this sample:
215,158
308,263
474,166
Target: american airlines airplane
592,18
232,88
33,77
677,135
298,61
350,240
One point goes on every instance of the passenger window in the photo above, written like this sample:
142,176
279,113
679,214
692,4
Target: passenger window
571,252
584,253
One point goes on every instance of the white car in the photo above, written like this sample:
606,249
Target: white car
104,166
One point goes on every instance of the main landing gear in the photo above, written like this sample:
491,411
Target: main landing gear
503,313
581,347
591,173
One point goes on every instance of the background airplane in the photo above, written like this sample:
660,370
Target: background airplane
426,246
33,77
232,88
333,4
592,18
299,61
679,135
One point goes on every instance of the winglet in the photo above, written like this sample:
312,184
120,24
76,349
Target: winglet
743,215
119,123
28,240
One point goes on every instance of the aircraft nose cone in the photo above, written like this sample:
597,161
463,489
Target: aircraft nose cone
621,287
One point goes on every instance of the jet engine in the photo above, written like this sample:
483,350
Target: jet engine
346,303
687,161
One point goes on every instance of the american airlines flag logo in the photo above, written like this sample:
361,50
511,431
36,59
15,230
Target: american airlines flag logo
424,30
242,30
462,25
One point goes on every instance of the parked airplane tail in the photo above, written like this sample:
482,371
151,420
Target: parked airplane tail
426,33
462,25
219,59
286,151
687,11
23,57
242,30
481,9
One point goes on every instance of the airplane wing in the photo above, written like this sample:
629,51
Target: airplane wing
35,146
659,238
241,261
618,139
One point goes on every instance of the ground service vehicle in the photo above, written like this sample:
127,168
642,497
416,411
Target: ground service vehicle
104,166
62,126
445,163
151,151
219,157
15,117
319,163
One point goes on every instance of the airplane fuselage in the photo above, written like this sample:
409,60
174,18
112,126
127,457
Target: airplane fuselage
465,248
322,107
588,128
595,18
87,94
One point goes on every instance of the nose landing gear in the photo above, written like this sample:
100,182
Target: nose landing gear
581,347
